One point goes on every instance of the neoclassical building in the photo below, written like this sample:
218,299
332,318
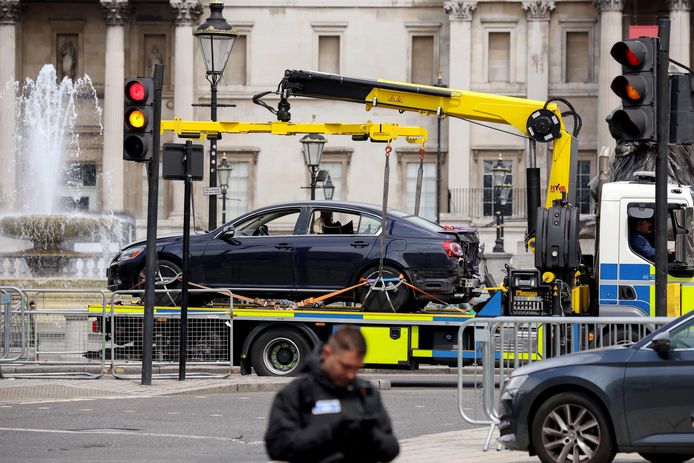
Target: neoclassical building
524,48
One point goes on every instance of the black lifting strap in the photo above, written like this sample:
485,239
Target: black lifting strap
420,174
386,175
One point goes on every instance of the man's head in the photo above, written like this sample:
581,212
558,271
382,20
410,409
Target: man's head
343,355
643,226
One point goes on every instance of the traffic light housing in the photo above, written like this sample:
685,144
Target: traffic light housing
637,87
138,113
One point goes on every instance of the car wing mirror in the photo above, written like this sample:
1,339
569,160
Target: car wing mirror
661,343
228,232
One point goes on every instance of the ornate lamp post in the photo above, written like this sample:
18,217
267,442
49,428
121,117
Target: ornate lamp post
328,188
439,83
501,191
313,150
216,38
224,172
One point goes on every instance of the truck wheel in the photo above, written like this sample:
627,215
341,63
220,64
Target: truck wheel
166,277
569,425
278,352
376,301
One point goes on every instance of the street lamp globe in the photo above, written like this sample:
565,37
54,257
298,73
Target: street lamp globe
499,171
224,172
216,38
313,149
328,188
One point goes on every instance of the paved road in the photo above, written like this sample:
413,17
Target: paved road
204,420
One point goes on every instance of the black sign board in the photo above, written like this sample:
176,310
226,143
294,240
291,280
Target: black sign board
174,154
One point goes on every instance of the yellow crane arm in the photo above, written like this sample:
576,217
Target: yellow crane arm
535,119
370,130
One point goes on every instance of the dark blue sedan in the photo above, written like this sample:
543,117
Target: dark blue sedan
296,250
585,407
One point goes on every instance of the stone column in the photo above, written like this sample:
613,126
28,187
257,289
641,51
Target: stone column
9,15
460,17
610,33
187,14
116,13
537,14
679,31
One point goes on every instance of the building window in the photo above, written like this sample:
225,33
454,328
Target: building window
422,66
329,53
236,66
79,187
237,191
488,185
499,57
583,175
328,46
577,57
427,200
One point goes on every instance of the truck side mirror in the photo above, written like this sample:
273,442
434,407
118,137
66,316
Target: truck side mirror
661,343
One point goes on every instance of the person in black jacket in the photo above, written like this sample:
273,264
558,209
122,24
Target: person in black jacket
329,414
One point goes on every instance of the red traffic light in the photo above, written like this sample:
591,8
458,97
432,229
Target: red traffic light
137,91
630,53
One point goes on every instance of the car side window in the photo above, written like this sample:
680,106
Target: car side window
274,223
369,225
330,222
682,337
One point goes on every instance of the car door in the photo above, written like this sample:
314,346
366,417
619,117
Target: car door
327,256
659,391
260,254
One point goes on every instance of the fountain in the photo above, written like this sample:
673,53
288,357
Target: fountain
48,115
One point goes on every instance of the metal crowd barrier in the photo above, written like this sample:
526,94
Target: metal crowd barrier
210,340
13,326
503,344
57,333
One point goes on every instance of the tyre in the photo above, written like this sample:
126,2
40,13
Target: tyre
166,278
666,457
279,352
570,427
377,299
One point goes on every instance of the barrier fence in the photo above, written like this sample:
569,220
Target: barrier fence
506,343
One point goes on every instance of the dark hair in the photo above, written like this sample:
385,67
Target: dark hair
348,337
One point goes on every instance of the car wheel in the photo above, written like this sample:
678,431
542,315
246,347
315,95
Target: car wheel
279,353
666,457
375,299
166,278
570,427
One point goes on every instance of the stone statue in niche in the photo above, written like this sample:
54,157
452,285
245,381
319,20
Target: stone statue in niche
154,59
68,59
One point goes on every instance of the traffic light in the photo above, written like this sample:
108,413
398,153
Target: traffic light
139,119
637,87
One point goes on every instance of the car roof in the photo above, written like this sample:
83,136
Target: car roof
331,203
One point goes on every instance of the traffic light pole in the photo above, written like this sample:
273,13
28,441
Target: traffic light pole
661,168
152,211
183,331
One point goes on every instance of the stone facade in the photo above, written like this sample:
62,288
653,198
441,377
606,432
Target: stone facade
529,48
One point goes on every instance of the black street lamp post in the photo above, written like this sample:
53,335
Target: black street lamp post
501,191
313,150
224,172
216,38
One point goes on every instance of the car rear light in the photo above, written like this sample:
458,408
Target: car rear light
452,248
95,326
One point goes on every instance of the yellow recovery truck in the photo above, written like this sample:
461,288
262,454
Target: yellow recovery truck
276,342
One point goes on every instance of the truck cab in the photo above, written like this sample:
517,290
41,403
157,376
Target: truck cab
626,268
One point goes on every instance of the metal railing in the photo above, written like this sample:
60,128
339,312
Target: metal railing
503,344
